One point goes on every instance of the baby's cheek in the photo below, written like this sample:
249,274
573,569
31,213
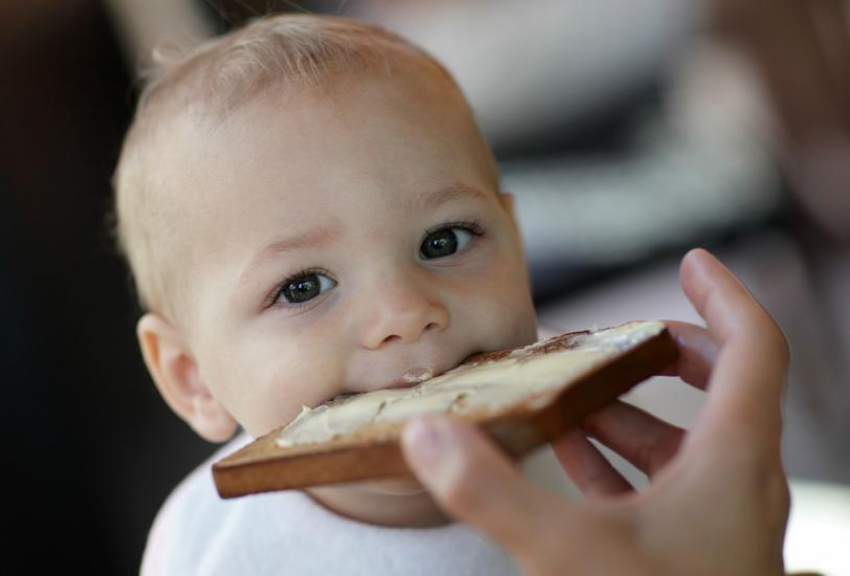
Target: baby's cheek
512,307
498,318
504,286
292,379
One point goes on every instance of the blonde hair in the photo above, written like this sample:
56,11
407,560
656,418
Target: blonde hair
210,83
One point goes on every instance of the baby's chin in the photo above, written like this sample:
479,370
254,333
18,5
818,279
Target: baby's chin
395,486
398,502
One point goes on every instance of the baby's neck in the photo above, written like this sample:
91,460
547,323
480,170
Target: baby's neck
382,508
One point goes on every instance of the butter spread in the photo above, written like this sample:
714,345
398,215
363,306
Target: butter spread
506,380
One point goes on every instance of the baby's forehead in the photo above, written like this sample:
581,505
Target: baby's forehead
179,120
289,120
304,114
315,155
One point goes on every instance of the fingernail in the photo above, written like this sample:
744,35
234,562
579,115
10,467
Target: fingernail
424,440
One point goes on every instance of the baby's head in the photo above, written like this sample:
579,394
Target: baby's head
309,210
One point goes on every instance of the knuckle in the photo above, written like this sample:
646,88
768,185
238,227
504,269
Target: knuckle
779,340
776,339
784,346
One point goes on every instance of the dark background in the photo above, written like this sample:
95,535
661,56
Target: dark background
94,450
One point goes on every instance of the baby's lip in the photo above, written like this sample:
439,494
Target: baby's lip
425,370
415,375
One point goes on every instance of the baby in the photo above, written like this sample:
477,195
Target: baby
309,210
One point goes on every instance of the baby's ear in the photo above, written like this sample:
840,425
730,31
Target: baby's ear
175,373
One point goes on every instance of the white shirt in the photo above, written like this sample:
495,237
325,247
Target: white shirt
198,533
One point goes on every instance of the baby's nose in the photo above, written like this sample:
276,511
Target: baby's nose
403,311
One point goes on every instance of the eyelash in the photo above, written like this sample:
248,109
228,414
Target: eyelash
472,226
273,297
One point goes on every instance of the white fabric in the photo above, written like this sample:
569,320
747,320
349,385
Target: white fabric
197,533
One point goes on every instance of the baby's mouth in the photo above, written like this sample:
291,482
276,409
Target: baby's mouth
415,375
425,371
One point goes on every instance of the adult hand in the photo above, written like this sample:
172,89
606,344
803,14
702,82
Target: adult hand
717,501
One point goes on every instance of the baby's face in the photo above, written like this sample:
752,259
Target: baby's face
342,240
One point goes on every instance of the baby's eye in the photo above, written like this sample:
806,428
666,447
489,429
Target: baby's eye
446,241
304,287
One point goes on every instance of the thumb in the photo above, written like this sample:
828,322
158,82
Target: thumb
473,481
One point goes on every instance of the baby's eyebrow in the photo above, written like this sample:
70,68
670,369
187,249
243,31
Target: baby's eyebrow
456,191
311,238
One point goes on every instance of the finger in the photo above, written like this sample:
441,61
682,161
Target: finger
473,481
728,308
645,441
749,373
697,353
587,466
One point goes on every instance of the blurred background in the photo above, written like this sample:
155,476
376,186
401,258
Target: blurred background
629,132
